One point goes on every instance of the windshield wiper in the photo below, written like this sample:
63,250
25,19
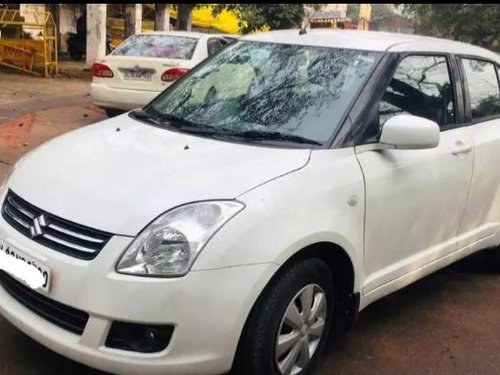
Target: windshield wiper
183,124
142,115
275,136
188,126
174,121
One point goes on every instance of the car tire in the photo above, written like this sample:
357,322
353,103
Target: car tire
491,259
113,112
258,352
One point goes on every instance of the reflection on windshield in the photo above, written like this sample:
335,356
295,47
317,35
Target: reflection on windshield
301,91
161,46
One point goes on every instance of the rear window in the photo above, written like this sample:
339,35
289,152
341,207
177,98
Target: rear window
163,46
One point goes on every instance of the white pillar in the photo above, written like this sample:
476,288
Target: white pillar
133,19
96,32
162,17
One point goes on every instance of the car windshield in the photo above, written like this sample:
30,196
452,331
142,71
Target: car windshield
267,91
163,46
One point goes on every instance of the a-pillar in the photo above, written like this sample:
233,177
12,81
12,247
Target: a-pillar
133,19
96,32
162,17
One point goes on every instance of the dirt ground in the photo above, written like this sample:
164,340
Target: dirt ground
448,323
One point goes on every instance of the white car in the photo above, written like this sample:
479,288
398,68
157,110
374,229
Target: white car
256,206
147,63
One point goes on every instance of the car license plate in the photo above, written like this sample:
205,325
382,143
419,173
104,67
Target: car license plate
18,254
137,76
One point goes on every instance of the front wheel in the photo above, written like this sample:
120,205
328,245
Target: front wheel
289,324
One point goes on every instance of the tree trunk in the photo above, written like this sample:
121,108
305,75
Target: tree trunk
184,17
162,17
133,19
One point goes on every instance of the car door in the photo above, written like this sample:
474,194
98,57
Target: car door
481,222
415,198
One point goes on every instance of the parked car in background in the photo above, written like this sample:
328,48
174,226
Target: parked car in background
147,63
253,208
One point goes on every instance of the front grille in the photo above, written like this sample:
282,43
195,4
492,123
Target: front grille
52,231
61,315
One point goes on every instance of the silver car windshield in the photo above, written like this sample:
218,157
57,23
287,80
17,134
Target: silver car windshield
264,91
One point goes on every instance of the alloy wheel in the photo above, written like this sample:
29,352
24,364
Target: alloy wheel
301,330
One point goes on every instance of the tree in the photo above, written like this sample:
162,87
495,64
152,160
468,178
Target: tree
184,16
378,11
382,10
253,17
473,23
353,12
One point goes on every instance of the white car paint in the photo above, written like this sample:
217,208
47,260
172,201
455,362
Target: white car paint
397,214
410,132
400,184
121,94
189,160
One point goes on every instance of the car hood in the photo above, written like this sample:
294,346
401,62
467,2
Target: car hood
120,174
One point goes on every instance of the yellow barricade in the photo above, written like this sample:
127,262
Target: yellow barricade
29,54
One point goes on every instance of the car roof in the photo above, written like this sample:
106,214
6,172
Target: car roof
189,34
371,41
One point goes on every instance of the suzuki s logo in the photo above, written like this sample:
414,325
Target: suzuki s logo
36,228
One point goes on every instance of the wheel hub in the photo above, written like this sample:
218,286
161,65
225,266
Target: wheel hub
301,330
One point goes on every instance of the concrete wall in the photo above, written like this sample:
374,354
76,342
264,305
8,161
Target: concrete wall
27,12
68,14
96,32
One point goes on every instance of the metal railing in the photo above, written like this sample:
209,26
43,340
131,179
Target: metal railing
21,50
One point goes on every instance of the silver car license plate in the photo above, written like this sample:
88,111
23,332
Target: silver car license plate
137,76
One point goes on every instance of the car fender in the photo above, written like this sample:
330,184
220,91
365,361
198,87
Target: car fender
322,202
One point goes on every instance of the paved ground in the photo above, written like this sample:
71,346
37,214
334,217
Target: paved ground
33,110
445,324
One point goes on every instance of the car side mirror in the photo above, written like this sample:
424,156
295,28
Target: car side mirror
407,132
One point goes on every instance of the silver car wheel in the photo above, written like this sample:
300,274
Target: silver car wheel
301,330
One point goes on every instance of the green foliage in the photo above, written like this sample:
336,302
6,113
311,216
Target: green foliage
148,12
254,17
353,12
382,10
474,23
378,11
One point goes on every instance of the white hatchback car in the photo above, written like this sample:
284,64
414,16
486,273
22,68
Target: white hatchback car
256,205
146,64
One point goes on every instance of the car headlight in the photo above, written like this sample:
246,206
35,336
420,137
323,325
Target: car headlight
169,245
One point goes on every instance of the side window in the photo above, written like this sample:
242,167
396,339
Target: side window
213,45
421,86
229,40
484,93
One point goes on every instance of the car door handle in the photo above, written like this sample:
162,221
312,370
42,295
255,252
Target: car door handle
462,150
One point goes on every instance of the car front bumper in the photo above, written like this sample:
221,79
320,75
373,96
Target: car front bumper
105,96
207,308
